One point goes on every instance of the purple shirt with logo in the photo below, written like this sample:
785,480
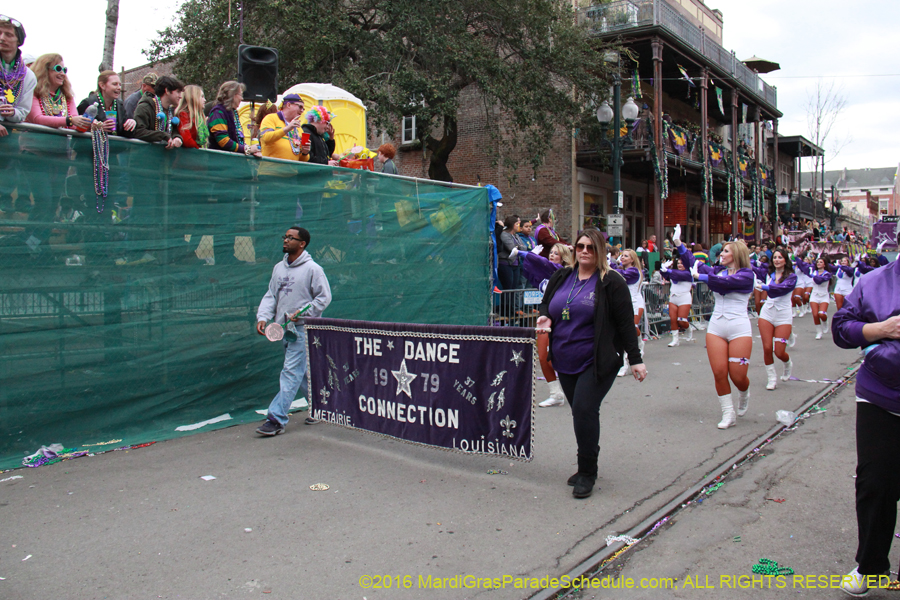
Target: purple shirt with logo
573,339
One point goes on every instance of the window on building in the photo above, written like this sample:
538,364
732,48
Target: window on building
409,134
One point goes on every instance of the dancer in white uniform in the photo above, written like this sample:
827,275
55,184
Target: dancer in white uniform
630,269
729,337
804,282
680,299
819,299
776,320
844,284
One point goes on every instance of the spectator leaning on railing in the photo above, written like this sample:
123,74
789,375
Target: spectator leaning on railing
53,103
225,131
155,112
131,102
191,120
17,82
112,116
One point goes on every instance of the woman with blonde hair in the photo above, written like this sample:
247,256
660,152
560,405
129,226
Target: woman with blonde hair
587,312
537,271
191,120
630,269
729,337
225,129
53,103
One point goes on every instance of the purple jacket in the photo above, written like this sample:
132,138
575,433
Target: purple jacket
677,276
875,298
760,270
631,274
741,281
821,277
537,269
777,290
803,266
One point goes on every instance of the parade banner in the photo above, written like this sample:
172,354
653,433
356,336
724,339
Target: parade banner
467,389
885,233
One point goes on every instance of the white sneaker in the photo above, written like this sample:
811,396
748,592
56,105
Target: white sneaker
856,584
728,418
674,341
772,377
788,367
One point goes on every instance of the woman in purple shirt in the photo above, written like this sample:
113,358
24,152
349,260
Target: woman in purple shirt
588,313
870,319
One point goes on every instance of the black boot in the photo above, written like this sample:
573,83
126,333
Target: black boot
586,476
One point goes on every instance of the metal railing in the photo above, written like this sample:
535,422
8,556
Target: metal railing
621,15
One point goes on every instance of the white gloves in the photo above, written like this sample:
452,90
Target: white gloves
513,253
537,249
695,270
665,266
677,235
880,245
757,284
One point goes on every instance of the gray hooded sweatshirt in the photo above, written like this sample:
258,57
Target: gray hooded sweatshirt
293,286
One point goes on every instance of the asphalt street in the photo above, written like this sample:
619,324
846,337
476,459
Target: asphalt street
398,520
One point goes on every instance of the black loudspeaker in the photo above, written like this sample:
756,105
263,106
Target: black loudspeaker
258,70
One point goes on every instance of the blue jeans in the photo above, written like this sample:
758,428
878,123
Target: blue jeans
293,378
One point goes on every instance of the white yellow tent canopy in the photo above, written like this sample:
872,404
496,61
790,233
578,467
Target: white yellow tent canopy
349,112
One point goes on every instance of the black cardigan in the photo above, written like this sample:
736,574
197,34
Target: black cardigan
614,331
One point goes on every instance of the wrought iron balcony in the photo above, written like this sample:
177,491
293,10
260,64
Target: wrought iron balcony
621,15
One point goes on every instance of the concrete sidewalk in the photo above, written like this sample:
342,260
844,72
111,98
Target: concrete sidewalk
142,524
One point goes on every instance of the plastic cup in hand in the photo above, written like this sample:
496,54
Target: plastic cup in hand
304,139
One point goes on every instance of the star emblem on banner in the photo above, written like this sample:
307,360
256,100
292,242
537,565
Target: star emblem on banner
404,378
316,342
390,344
517,358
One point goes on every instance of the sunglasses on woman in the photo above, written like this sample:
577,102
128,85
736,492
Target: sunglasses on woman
582,247
61,69
10,20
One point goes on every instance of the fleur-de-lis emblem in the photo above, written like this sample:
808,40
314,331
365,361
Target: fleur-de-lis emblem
508,425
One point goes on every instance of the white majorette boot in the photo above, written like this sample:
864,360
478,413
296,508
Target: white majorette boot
624,370
690,334
788,366
674,341
743,402
641,345
773,377
818,331
792,340
728,418
557,397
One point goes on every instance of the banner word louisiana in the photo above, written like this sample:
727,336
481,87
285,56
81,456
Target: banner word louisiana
468,389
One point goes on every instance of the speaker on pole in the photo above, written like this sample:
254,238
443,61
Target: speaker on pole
258,70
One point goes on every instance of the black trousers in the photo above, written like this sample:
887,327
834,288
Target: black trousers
877,485
585,394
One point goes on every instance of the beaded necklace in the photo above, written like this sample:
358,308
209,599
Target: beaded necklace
292,136
238,128
55,105
11,78
100,144
571,296
164,120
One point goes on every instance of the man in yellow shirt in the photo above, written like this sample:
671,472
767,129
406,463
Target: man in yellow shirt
280,134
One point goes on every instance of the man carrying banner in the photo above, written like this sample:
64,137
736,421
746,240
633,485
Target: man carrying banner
297,282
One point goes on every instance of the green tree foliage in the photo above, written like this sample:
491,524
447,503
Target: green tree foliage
528,58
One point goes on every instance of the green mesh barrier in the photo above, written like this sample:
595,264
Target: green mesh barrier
130,321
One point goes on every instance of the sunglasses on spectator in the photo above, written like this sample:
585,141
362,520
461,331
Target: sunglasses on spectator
61,69
582,247
11,21
289,237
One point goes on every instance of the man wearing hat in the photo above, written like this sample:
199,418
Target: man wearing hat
280,134
17,82
131,102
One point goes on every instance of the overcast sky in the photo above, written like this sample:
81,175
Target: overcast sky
852,44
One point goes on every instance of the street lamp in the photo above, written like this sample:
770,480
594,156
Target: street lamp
605,114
